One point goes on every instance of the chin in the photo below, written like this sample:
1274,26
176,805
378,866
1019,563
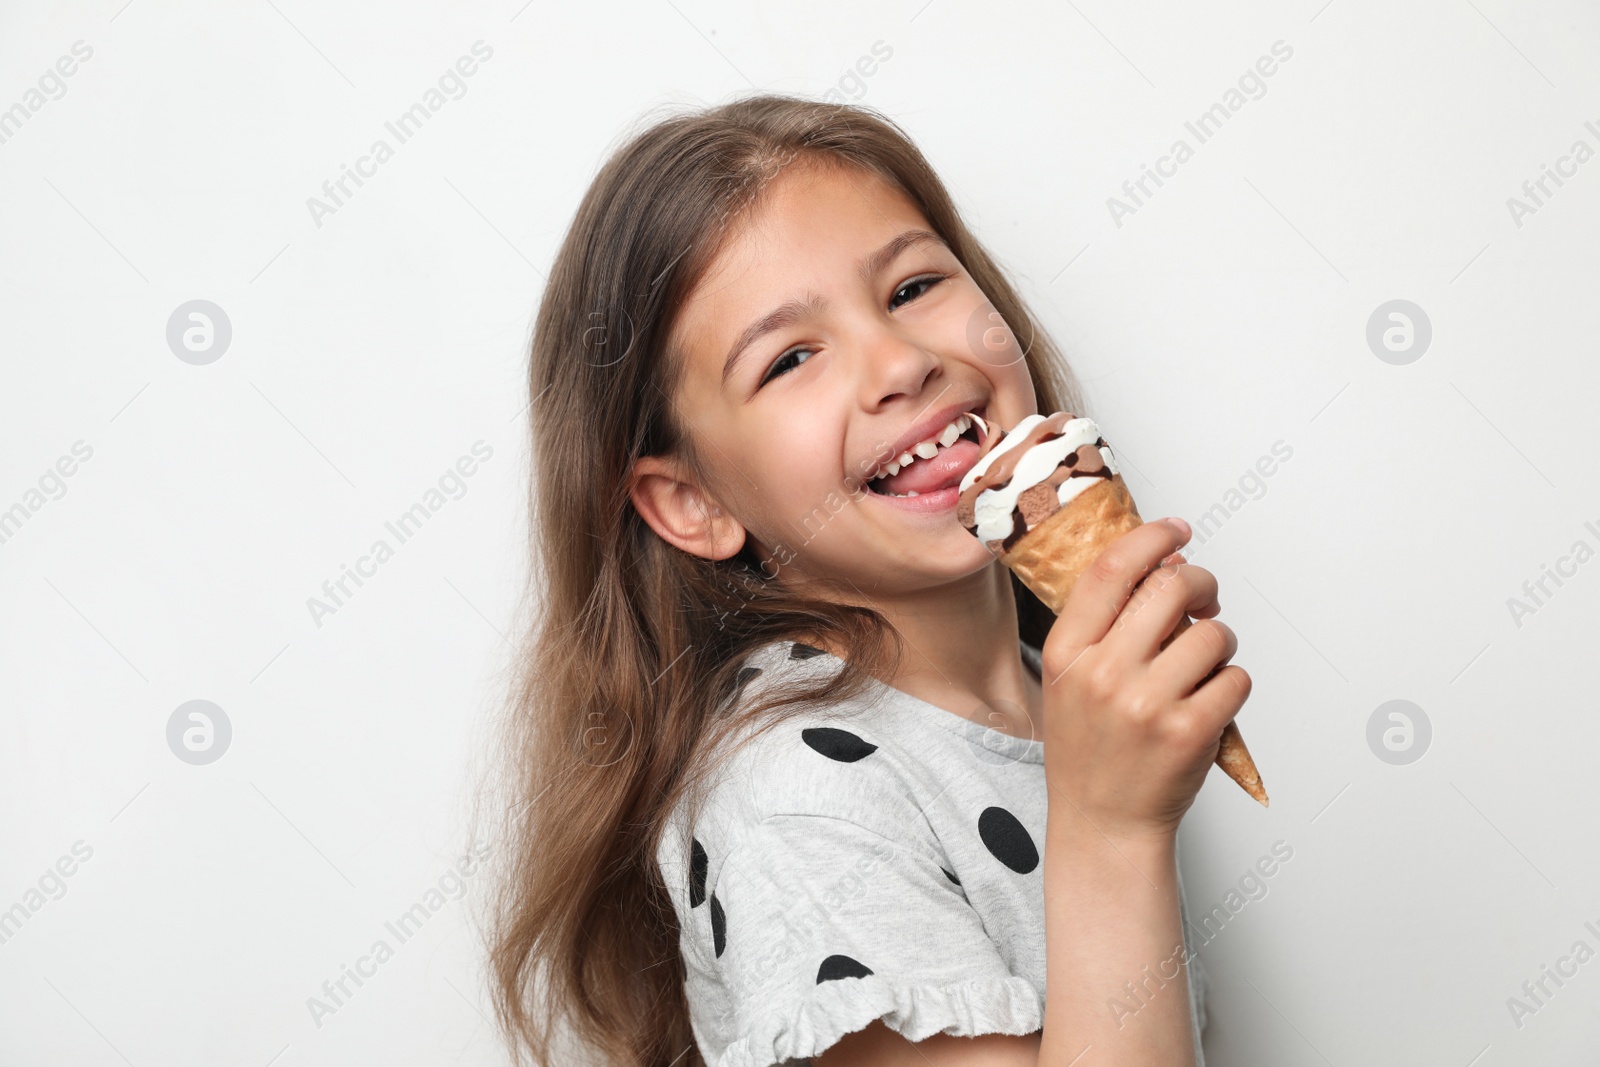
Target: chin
966,556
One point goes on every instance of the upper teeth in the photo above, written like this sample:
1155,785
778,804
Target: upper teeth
925,449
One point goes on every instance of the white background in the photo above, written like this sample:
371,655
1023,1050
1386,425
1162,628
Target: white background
370,352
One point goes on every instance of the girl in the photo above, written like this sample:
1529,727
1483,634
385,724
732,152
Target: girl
802,771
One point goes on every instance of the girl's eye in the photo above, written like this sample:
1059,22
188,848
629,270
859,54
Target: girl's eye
929,282
782,364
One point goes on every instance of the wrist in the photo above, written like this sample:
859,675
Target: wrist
1070,826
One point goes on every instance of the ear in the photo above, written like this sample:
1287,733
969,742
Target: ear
680,512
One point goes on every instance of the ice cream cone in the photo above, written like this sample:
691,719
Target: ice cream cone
1047,498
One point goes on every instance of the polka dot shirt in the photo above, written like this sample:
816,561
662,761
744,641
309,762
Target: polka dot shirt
881,858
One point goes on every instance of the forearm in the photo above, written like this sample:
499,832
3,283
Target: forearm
1117,993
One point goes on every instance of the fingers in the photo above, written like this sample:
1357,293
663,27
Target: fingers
1160,604
1216,702
1103,589
1205,611
1192,656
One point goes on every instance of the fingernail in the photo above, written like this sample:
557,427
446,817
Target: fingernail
1177,524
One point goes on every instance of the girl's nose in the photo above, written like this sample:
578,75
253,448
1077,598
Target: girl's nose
892,364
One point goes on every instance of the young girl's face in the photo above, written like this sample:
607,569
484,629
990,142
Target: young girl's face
831,334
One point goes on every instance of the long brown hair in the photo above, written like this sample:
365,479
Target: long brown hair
637,645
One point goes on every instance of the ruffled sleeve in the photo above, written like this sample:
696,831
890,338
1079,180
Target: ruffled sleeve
815,926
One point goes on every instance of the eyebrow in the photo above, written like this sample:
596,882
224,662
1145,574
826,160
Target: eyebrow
793,311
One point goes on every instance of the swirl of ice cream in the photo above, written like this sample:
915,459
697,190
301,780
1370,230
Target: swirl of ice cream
1029,474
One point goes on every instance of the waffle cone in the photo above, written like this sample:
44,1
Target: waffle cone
1050,557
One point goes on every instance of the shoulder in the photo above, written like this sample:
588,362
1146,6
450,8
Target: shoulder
845,761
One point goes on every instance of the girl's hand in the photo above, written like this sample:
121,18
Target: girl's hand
1130,732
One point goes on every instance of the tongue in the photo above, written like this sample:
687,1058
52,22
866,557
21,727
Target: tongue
927,475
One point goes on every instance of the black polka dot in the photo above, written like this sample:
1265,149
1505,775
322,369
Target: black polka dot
719,926
841,745
799,651
836,967
699,863
1008,839
950,876
743,679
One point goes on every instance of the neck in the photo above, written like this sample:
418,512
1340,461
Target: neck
961,651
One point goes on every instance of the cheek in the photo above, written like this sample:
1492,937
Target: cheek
1022,382
790,458
980,335
807,456
973,330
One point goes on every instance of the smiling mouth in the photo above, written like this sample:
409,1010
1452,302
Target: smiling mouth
931,465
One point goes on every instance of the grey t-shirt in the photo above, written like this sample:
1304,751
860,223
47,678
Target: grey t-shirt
878,859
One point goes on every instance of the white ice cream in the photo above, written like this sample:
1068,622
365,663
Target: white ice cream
994,509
